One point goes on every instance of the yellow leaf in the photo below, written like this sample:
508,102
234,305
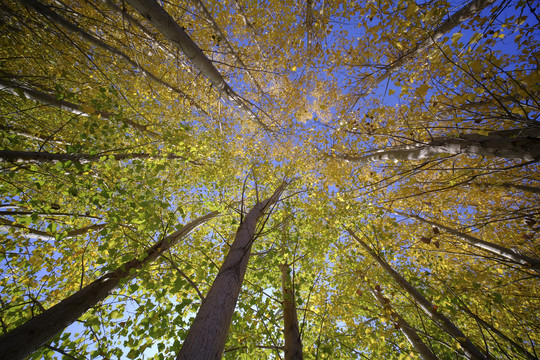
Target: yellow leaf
391,92
411,9
88,109
293,68
456,37
476,37
422,90
519,111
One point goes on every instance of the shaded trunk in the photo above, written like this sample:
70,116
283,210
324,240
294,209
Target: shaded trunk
407,330
169,28
30,336
208,333
167,51
31,134
471,351
309,26
523,148
465,13
58,19
43,235
492,248
51,100
507,185
291,332
210,20
254,32
44,157
485,324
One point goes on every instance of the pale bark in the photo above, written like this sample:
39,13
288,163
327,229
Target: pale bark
27,133
151,36
254,32
309,25
57,19
508,185
39,157
208,333
463,14
166,25
210,20
487,325
407,330
28,337
47,99
522,148
291,331
470,350
492,248
44,235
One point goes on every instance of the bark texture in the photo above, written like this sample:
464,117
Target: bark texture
523,148
199,4
465,13
208,333
39,157
166,25
43,235
36,332
407,330
492,248
50,100
291,331
508,185
470,350
58,19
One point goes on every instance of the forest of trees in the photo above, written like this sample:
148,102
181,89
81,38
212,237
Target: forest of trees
243,179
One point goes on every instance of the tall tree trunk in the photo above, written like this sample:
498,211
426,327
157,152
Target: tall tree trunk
309,26
471,351
28,337
523,148
487,325
508,185
492,248
166,25
291,331
465,13
208,333
40,157
43,235
47,99
407,330
57,19
199,4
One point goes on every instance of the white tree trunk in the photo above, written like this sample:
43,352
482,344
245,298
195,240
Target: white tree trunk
47,99
465,13
406,328
166,25
36,332
56,18
43,235
492,248
471,351
208,333
523,148
39,157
